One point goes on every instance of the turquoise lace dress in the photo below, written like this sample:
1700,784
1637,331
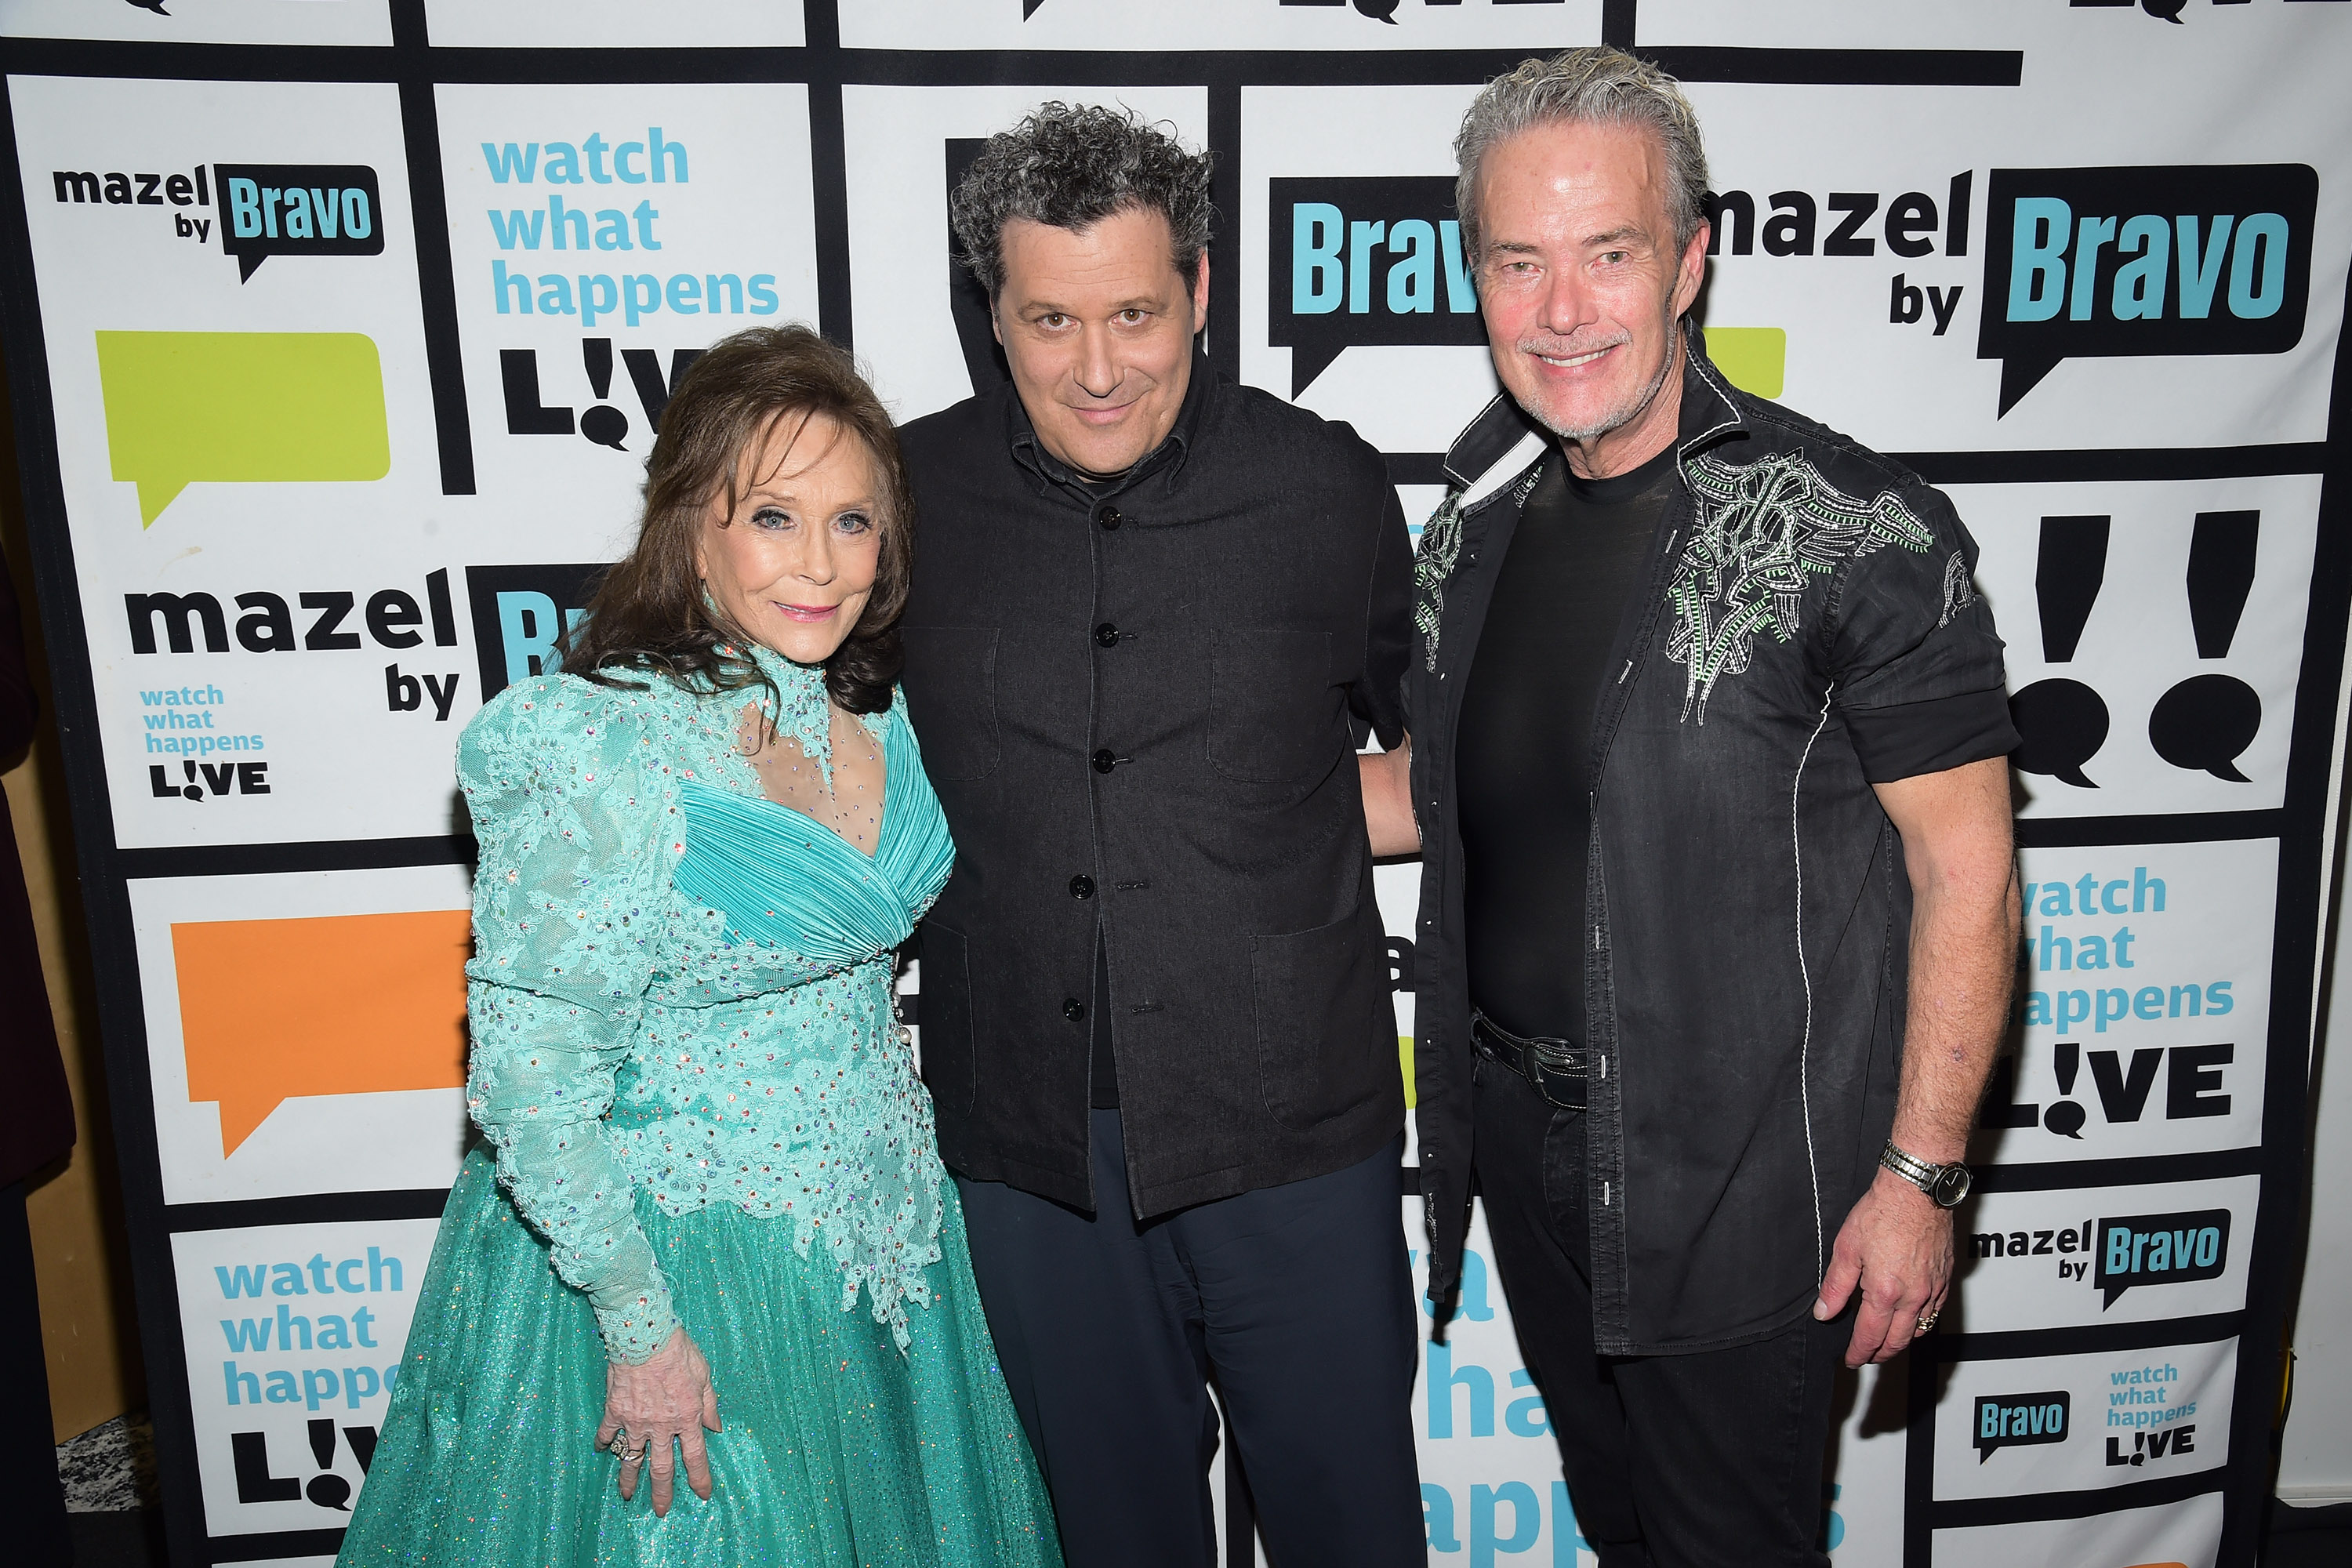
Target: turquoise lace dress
703,1114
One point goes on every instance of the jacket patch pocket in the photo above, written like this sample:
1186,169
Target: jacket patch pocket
944,1015
1274,714
950,684
1324,1028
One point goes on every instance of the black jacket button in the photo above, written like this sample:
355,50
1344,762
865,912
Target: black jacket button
1082,887
1107,634
1074,1010
1108,517
1105,759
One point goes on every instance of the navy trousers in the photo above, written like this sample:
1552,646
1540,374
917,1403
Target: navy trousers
1297,1300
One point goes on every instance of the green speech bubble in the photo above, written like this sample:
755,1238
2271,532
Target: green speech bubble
1753,359
240,408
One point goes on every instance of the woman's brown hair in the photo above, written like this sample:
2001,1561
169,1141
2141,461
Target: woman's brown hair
650,614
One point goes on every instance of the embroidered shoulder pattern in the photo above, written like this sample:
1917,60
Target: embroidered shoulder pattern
1761,527
1432,563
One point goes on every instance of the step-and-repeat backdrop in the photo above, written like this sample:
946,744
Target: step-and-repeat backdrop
338,332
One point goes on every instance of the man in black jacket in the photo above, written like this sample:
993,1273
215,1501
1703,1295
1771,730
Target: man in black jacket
1719,907
1149,608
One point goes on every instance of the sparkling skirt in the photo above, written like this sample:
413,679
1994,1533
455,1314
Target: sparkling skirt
838,1452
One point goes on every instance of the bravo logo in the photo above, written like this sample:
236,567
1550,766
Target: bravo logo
2020,1420
521,613
2161,1249
1362,262
267,209
2126,262
2128,1251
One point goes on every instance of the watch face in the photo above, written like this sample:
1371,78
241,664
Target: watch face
1951,1185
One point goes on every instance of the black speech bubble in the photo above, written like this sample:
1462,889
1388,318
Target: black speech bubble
1327,326
2205,724
2065,1118
607,425
276,200
2062,724
2021,1421
2181,198
2130,1252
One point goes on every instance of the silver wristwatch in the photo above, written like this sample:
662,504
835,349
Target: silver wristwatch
1945,1185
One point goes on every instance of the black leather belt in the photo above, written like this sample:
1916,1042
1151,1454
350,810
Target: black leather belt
1555,1068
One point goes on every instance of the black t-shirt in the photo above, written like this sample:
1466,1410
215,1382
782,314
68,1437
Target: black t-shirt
1524,751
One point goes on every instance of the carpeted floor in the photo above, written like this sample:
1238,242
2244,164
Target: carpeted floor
109,1473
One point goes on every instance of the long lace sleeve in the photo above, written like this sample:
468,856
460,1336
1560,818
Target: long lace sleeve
565,903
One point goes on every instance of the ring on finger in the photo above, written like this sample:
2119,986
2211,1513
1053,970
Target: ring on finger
1927,1322
619,1446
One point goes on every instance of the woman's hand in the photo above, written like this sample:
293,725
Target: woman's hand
666,1399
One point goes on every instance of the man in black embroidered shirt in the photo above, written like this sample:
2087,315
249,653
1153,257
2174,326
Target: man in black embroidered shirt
1156,1016
1718,909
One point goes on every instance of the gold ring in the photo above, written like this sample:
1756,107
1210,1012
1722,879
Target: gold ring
1927,1321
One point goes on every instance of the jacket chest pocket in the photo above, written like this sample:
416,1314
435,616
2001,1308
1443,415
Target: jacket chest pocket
950,682
1274,714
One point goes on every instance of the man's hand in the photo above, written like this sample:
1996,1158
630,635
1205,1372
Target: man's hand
1388,800
1897,1245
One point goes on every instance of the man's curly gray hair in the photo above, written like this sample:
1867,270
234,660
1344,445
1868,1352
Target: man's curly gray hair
1070,167
1592,86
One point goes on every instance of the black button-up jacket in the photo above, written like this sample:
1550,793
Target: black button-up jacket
1135,702
1809,628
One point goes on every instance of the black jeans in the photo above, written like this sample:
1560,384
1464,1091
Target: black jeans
1706,1460
1297,1298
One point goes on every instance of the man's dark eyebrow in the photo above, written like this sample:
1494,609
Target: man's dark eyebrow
1615,236
1514,247
1040,308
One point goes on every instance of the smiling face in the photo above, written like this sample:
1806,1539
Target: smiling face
1581,284
792,560
1098,329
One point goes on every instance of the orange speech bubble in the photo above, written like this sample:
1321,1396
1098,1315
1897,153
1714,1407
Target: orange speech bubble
338,1005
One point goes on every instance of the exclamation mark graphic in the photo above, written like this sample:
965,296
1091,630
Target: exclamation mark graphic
2065,1117
330,1491
2206,721
2063,723
604,424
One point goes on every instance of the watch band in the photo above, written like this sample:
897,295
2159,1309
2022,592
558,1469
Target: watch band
1910,1167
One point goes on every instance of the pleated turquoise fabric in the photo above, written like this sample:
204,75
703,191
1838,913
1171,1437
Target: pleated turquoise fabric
839,1452
785,881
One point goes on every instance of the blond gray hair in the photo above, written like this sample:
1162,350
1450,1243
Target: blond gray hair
1592,85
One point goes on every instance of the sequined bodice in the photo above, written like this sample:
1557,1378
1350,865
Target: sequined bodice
681,986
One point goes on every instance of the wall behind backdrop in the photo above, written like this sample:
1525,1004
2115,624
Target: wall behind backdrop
338,332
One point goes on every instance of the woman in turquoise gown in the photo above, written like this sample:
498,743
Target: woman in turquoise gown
709,1231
